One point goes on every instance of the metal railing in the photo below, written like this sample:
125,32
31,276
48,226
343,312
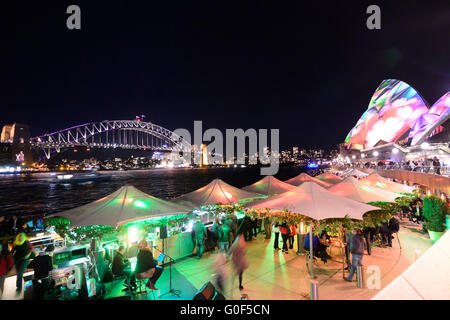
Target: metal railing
430,169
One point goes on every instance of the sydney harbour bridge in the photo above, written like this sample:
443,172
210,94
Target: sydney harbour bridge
125,134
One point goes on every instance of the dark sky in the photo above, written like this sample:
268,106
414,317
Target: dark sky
308,69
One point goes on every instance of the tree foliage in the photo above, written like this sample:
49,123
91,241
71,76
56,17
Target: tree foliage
434,211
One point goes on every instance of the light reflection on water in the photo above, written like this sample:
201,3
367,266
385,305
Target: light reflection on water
37,193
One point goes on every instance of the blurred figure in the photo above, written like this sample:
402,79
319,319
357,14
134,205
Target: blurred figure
225,235
146,266
284,229
42,265
254,228
268,226
292,234
6,264
357,250
386,235
276,230
15,225
21,254
231,221
238,251
199,234
3,227
221,273
216,229
366,235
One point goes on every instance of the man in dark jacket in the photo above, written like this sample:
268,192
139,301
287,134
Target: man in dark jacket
15,225
199,236
386,235
366,234
42,265
122,267
357,250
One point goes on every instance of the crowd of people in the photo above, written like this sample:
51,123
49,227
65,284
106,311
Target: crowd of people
12,226
426,165
22,257
228,236
231,234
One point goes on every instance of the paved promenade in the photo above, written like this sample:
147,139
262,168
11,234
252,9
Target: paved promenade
275,275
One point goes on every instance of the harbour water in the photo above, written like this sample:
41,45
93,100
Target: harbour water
39,193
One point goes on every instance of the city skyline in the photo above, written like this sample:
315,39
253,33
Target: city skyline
233,68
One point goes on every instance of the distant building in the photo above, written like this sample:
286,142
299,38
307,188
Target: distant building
399,125
15,146
204,155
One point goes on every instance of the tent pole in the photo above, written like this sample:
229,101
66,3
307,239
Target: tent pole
311,251
343,254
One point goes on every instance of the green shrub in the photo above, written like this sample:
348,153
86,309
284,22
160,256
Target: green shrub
434,212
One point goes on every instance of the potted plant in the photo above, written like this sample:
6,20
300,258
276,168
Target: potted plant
434,212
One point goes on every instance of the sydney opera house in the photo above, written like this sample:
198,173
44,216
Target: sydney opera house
399,125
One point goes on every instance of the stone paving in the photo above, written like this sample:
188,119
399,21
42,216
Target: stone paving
273,275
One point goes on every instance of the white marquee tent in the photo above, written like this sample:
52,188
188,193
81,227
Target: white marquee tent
215,192
378,181
127,204
269,185
303,177
354,189
314,201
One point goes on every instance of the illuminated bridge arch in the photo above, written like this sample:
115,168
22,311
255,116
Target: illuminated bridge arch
125,134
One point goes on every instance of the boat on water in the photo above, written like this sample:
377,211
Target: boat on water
81,177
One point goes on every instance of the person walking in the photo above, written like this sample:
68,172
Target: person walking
240,263
199,232
292,234
216,229
231,221
221,270
276,230
225,234
386,235
366,234
357,251
42,265
254,228
268,226
284,229
22,250
6,264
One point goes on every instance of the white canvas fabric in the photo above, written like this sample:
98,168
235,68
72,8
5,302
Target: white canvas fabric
215,192
303,177
354,172
378,181
269,185
124,205
314,201
354,189
329,178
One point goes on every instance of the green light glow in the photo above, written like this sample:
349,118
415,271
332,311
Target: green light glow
140,204
366,188
381,185
132,234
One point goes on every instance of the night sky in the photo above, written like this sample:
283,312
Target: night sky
307,69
